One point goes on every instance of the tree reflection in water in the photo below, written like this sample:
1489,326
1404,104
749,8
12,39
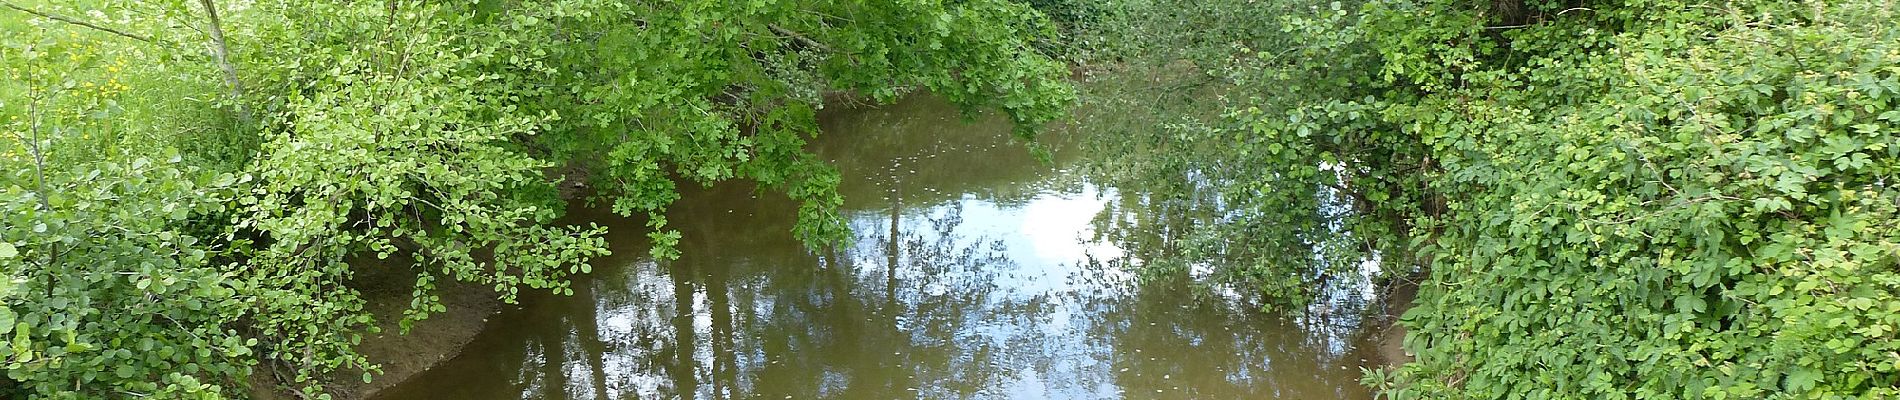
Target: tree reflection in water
977,280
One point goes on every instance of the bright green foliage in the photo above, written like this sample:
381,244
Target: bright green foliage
425,169
107,283
111,289
711,91
439,132
1613,200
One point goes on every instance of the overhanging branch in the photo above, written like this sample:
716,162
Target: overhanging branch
74,21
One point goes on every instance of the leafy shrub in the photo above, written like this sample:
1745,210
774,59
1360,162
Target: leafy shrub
1661,200
1668,199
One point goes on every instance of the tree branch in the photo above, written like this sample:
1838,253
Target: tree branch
796,36
219,50
74,21
1363,200
39,173
1526,24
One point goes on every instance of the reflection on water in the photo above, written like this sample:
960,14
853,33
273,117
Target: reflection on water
972,276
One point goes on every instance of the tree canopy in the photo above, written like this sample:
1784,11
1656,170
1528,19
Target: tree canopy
189,182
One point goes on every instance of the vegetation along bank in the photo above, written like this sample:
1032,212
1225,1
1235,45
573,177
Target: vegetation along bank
1603,199
1596,199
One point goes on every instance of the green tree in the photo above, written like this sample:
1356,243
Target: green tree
310,134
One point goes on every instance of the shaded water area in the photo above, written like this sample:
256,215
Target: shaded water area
974,275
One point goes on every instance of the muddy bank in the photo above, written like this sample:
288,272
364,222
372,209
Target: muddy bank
428,342
1384,343
386,287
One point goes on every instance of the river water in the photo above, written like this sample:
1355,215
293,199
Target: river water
975,274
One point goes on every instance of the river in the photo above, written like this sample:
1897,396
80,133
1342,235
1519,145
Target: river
975,274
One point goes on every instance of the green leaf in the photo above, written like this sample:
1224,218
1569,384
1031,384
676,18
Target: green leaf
1800,380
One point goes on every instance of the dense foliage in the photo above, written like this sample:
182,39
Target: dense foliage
1642,199
189,183
1662,200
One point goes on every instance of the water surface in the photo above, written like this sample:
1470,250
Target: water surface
975,275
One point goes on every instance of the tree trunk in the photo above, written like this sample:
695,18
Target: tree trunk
222,52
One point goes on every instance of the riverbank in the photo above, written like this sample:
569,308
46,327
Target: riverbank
1388,333
386,287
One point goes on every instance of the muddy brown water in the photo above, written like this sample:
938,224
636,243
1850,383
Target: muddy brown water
974,275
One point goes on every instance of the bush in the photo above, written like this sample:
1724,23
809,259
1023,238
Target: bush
1612,200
